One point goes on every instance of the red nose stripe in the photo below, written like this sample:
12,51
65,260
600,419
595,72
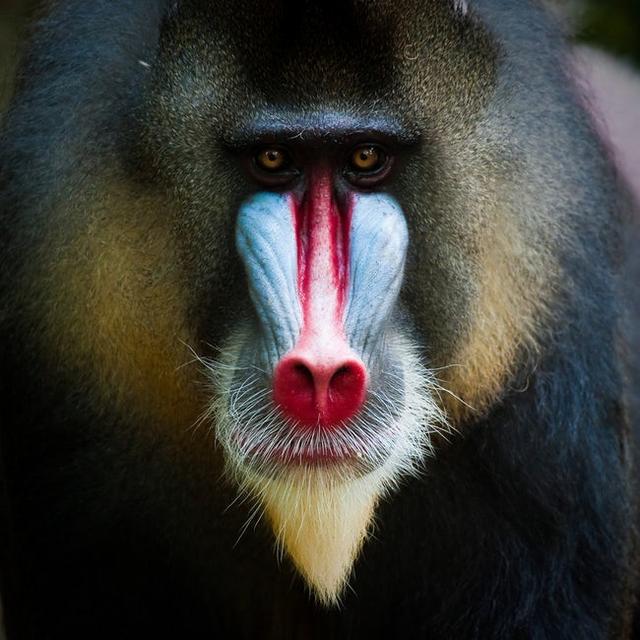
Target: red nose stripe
321,381
322,231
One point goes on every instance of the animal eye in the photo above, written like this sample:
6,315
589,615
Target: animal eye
273,167
272,159
368,165
367,159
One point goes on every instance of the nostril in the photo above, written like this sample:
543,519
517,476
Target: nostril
346,390
340,372
343,380
293,383
304,373
319,393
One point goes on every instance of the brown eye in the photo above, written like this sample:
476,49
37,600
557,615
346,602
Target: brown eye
367,159
368,165
272,160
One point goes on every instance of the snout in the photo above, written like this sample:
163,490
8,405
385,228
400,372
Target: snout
320,389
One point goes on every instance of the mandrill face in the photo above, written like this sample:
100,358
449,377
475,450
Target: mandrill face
322,399
346,235
317,377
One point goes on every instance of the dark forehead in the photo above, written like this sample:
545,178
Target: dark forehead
335,45
355,57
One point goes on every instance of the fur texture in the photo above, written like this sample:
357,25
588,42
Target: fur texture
133,494
321,517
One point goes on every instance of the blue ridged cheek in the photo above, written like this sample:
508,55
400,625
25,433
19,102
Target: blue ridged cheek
266,243
378,248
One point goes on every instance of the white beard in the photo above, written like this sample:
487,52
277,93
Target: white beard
321,515
321,523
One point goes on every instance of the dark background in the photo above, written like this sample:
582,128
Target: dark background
613,25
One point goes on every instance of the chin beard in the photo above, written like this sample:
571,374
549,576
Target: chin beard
319,488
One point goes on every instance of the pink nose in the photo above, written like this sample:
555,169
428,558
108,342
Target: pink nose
319,394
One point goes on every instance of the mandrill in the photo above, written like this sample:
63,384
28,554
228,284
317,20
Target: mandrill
312,327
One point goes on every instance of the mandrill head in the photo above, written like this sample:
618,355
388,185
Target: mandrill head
338,174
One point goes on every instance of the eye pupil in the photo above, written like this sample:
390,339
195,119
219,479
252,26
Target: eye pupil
368,165
366,159
271,159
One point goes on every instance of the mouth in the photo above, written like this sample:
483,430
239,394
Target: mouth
270,444
312,448
389,431
318,484
311,458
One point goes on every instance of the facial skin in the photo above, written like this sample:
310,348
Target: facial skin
325,398
324,271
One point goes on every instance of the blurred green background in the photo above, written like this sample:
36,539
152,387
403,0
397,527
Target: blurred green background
611,24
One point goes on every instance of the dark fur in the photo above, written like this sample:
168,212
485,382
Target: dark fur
522,527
